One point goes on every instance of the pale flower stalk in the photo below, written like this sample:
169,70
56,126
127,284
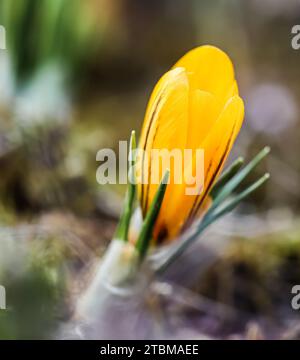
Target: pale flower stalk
116,274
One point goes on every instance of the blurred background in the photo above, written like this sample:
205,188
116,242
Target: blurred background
75,77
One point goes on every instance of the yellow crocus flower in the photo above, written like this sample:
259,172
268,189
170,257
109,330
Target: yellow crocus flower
195,105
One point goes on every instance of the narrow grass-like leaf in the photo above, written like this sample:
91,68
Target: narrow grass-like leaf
145,235
237,179
222,210
209,220
123,226
227,175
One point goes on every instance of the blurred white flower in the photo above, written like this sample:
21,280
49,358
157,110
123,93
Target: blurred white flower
43,99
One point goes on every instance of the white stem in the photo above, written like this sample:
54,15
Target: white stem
119,265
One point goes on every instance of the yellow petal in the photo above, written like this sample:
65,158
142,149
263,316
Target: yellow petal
202,115
217,147
183,209
211,70
165,127
195,105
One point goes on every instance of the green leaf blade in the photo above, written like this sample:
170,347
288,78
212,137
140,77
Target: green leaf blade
145,235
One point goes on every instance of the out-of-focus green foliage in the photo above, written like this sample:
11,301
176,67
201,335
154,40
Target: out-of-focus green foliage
34,278
40,31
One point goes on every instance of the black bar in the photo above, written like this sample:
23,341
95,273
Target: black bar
135,349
